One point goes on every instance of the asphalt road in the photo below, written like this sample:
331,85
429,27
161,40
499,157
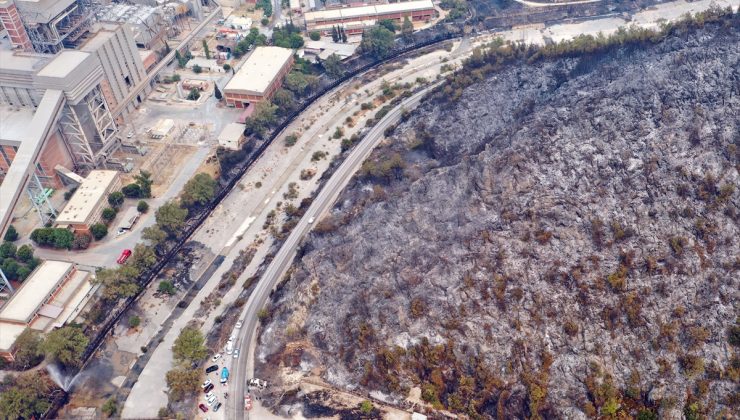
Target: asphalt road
279,265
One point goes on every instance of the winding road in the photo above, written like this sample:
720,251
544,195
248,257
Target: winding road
279,265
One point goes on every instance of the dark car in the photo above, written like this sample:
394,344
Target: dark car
208,388
216,407
203,407
212,368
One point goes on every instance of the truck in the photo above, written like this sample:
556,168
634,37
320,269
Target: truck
224,375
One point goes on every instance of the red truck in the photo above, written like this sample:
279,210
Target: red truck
124,256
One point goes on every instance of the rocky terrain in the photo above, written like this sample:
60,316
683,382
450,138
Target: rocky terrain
557,239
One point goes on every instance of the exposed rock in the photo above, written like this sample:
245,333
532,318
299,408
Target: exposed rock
565,234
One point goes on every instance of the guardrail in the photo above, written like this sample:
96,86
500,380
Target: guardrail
236,173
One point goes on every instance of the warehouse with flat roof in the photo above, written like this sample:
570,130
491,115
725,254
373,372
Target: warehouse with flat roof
260,76
85,208
52,295
355,19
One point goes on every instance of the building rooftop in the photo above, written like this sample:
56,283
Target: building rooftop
14,123
232,132
87,196
8,334
260,70
374,10
35,290
63,64
23,62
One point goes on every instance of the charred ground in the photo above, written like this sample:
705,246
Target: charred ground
544,236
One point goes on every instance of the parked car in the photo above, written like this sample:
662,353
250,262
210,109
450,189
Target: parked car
124,256
216,357
239,324
212,368
203,408
236,353
209,394
247,402
216,407
206,383
208,388
212,399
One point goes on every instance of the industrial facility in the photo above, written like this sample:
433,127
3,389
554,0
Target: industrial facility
354,20
260,76
54,294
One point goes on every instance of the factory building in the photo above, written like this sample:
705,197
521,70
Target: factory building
260,76
63,110
354,20
47,25
147,24
54,294
85,207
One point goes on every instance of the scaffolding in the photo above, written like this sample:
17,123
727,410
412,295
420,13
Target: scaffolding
5,283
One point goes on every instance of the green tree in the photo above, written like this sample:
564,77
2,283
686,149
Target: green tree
142,206
407,28
132,190
7,250
366,407
118,282
144,179
217,92
189,346
171,217
194,94
25,253
134,321
11,234
199,190
183,382
334,34
29,350
10,268
285,100
166,287
389,24
206,51
25,397
109,213
66,345
343,35
333,66
377,41
179,59
143,257
265,21
22,273
314,35
154,235
110,408
175,78
115,199
98,230
227,67
62,238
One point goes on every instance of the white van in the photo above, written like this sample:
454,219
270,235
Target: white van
230,346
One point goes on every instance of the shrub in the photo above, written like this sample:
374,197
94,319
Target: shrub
7,250
69,194
314,35
265,21
227,67
677,245
366,407
134,321
81,241
142,206
11,234
25,253
53,237
570,327
98,230
197,69
291,140
338,133
166,287
318,155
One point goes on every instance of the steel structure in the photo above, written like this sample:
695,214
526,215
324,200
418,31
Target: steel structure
63,30
89,145
39,196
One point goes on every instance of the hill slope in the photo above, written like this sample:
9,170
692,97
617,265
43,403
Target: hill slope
562,239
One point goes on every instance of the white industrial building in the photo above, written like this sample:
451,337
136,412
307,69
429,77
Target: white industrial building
86,205
232,136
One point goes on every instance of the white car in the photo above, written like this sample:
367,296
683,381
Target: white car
311,220
206,383
212,399
236,353
216,357
239,324
130,134
210,395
